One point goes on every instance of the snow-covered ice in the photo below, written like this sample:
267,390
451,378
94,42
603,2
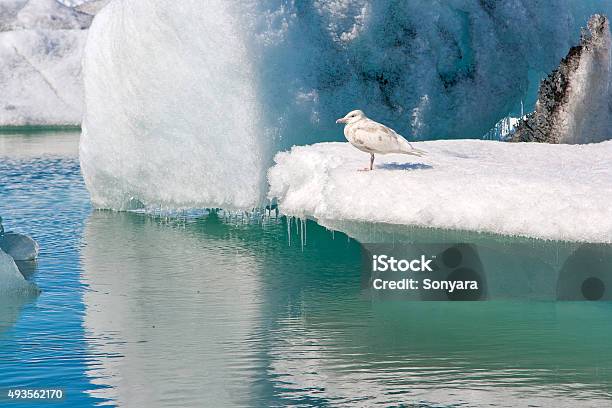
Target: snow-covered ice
190,111
557,192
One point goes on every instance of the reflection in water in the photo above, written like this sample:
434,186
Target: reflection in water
184,311
175,304
502,355
36,144
11,306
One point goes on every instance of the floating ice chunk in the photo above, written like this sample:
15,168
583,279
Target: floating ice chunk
559,192
20,247
11,279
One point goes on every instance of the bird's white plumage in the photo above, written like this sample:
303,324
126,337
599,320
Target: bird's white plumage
373,137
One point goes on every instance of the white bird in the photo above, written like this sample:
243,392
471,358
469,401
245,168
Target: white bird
373,137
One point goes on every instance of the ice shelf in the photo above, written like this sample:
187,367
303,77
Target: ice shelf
557,192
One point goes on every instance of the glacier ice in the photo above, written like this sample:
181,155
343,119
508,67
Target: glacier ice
547,191
41,43
91,7
190,110
40,14
184,130
40,83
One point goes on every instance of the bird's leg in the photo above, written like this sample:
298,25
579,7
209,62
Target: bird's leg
371,164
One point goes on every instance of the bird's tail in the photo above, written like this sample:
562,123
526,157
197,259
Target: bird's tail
416,152
407,148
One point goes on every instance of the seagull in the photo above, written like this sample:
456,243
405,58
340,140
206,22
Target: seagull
373,137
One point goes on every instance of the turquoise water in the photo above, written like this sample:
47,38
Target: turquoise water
145,311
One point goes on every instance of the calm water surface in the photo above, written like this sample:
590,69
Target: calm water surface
144,311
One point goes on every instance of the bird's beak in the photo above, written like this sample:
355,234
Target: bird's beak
341,120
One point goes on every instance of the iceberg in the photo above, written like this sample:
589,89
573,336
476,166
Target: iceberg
190,111
546,191
190,140
41,45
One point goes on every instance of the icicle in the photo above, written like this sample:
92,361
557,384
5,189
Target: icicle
302,233
289,229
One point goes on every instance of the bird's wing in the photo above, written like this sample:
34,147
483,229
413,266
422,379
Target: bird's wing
378,137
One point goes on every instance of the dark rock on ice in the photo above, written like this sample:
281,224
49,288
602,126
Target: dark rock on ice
572,104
